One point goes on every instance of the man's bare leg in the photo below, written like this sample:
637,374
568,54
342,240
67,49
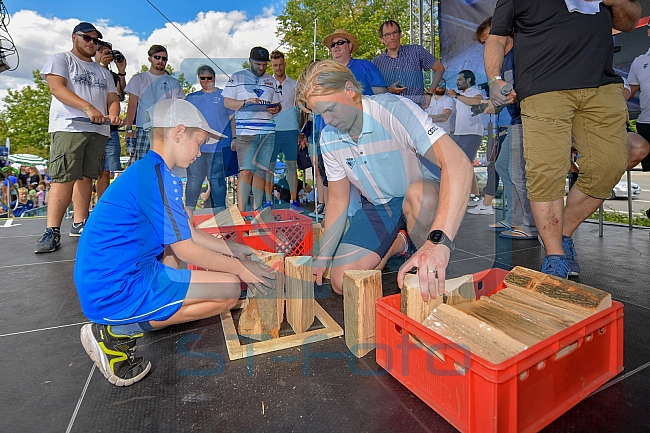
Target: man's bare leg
81,195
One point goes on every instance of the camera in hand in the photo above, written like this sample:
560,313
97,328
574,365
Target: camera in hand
117,56
478,109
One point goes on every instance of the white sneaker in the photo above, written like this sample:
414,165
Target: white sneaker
474,200
481,210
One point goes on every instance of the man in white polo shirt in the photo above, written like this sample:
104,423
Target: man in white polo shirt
252,94
410,173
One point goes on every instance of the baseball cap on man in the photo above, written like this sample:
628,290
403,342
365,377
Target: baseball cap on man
85,27
170,113
260,54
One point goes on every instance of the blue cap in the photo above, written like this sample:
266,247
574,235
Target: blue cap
85,27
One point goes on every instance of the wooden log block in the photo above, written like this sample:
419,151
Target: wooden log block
262,315
299,292
535,307
478,337
460,290
317,231
411,302
361,289
566,291
511,323
227,217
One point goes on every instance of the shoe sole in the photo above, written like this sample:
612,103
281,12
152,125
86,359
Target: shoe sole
479,213
56,247
75,235
102,362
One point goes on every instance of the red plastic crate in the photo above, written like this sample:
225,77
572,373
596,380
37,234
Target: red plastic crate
290,234
522,394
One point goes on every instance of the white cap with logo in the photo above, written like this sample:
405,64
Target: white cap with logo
170,113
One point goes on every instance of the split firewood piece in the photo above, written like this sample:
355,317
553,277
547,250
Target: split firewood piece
227,217
515,325
411,300
361,289
475,335
533,306
575,296
299,292
460,290
262,315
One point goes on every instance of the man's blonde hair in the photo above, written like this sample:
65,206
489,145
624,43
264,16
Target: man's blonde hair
324,77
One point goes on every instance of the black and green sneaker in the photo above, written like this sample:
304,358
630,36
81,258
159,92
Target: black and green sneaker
114,354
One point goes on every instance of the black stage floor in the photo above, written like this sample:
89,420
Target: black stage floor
49,384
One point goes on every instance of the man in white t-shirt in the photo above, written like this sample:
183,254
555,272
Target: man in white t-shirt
286,130
391,151
253,95
146,89
468,130
84,105
441,107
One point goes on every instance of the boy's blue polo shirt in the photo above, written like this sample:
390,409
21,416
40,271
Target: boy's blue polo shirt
118,273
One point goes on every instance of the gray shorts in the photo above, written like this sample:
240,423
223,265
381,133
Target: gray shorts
75,155
254,151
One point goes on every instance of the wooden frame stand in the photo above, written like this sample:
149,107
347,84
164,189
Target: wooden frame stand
236,350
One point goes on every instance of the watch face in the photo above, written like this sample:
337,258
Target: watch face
437,236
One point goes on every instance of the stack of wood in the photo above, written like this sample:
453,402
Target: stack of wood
533,307
262,315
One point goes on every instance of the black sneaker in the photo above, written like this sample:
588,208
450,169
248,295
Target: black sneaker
49,242
114,354
77,228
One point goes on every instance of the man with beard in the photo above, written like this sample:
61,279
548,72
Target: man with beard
145,89
441,107
252,94
84,102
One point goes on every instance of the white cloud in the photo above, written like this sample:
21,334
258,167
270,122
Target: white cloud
218,34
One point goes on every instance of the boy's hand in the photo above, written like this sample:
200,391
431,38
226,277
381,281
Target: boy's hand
256,275
242,252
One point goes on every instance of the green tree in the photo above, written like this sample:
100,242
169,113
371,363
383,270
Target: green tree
25,118
362,18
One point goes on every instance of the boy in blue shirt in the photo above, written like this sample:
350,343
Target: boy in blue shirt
126,272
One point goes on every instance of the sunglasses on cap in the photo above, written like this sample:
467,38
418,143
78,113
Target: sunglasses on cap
88,38
206,78
164,59
339,43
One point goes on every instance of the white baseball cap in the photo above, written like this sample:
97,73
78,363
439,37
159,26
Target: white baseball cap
170,113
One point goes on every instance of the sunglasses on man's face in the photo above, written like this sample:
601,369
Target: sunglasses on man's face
88,38
164,59
206,78
339,43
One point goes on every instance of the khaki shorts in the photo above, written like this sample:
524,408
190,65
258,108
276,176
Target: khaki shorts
596,119
75,155
254,151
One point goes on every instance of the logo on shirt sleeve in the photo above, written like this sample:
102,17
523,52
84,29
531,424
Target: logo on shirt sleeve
433,130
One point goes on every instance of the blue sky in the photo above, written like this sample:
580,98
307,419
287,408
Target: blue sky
138,15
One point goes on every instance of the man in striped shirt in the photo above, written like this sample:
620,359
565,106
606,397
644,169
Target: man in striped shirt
402,66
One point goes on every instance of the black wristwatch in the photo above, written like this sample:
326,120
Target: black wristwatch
439,237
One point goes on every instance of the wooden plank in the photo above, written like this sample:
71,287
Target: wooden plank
238,351
263,314
511,323
411,300
571,293
478,337
317,232
227,217
361,289
299,292
460,290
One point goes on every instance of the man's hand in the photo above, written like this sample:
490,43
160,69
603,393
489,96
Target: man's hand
233,145
256,275
121,66
241,251
115,120
431,261
274,110
106,59
396,88
498,98
94,115
318,269
302,141
452,93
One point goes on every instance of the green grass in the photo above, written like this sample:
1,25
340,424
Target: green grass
615,216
